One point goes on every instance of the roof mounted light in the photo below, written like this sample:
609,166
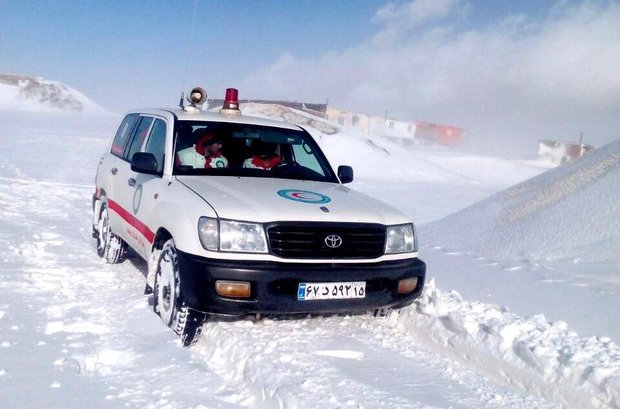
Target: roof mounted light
231,102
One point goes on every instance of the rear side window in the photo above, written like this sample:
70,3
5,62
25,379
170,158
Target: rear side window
122,135
157,142
139,136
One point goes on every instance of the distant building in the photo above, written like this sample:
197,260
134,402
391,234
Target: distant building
561,152
406,133
442,134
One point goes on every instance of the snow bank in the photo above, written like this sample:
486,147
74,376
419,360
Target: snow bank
567,218
543,358
268,363
34,94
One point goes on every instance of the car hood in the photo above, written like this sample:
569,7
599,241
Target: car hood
268,199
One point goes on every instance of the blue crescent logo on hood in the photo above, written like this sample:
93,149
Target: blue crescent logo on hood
304,196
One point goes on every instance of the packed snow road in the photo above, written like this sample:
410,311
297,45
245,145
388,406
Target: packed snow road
75,331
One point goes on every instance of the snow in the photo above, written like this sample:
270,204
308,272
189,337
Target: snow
520,308
563,228
35,94
544,358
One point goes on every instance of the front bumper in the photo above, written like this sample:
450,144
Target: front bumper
274,285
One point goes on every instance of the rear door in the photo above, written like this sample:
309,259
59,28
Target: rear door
108,171
121,202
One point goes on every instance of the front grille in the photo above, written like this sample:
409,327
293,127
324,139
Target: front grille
307,240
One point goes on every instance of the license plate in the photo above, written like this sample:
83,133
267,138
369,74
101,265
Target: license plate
331,291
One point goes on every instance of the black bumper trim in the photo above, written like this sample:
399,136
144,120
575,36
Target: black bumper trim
274,285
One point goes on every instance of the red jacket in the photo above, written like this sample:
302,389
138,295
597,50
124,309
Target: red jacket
262,163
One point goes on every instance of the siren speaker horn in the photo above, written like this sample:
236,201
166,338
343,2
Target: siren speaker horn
197,96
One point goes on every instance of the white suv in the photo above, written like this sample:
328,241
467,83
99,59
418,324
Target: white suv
241,215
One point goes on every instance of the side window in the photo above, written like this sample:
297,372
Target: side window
139,136
157,142
122,135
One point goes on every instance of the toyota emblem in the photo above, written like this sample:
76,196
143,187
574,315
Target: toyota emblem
333,241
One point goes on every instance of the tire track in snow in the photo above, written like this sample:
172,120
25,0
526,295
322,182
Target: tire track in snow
340,362
81,325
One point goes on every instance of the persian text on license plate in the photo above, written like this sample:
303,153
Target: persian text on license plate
331,291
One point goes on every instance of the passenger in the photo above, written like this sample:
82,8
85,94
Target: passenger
205,153
264,157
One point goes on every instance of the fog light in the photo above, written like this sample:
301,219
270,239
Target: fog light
233,289
407,285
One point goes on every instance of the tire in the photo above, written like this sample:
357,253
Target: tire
110,247
167,300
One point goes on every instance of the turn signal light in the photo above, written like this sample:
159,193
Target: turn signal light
407,285
233,289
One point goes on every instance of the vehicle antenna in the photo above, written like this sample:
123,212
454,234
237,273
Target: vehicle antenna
181,100
187,56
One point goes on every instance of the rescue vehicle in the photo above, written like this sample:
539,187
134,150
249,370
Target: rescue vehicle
239,215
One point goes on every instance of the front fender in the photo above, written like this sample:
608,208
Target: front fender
179,216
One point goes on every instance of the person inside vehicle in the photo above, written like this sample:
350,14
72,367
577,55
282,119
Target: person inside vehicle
264,157
205,153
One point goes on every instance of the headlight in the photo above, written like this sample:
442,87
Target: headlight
228,235
400,239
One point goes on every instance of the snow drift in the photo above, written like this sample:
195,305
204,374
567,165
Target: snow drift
567,218
34,94
547,359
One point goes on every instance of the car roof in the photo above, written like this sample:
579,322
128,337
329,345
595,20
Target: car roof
211,116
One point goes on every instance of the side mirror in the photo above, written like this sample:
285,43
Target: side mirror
345,174
144,162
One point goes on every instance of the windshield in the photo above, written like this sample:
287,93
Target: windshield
225,149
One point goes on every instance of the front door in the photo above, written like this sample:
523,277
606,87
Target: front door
130,190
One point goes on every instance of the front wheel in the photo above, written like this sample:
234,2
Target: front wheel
167,303
109,246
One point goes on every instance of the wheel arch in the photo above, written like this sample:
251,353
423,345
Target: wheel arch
101,193
98,195
161,236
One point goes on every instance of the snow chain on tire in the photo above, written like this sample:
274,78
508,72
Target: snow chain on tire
188,325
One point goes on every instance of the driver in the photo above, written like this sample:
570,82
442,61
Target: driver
264,157
205,153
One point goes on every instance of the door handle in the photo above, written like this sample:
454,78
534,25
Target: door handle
114,171
131,182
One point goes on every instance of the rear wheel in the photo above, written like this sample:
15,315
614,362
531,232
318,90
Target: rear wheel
109,246
167,302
